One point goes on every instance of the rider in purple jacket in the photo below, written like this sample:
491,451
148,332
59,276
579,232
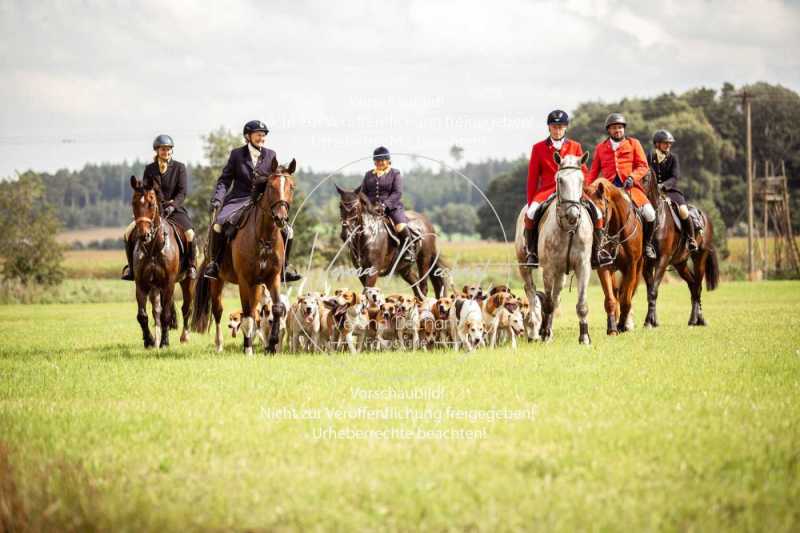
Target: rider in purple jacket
383,185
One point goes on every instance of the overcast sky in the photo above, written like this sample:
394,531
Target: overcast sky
96,81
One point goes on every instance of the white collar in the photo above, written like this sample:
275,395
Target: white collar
558,143
615,144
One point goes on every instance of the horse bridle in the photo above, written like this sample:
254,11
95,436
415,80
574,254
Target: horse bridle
151,233
280,202
561,213
615,240
569,203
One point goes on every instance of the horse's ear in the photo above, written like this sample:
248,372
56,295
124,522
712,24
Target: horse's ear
599,190
557,158
364,200
339,189
584,158
274,164
135,183
292,167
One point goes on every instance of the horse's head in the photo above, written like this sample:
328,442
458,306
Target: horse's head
273,193
145,208
569,185
607,198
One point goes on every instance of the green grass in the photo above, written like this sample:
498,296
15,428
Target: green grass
671,429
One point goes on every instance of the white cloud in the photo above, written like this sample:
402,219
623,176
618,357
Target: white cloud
335,78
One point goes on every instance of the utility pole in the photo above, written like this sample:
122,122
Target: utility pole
750,263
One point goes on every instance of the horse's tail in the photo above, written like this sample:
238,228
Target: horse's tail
712,269
201,305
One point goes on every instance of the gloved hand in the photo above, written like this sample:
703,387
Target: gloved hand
628,183
169,210
215,204
532,210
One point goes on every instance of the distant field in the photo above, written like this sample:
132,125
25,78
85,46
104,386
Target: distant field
89,235
679,429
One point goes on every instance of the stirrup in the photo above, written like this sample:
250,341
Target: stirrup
191,272
604,258
650,251
532,260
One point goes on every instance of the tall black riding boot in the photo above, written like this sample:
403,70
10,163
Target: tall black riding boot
532,246
191,264
216,249
288,273
127,271
649,249
407,241
688,230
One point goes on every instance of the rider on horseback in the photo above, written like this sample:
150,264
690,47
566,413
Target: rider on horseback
542,171
622,161
170,175
666,168
383,186
232,194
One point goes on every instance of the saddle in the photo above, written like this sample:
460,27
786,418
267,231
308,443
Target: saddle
695,215
237,220
387,223
180,238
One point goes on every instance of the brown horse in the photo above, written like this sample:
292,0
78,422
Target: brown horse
672,250
622,238
157,267
254,257
374,253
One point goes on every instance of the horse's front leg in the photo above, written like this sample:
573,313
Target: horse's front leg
155,302
166,314
583,271
278,312
653,274
216,286
606,277
630,279
186,307
141,317
419,288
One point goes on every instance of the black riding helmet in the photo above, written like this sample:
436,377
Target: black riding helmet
663,136
558,117
381,153
253,126
163,140
615,118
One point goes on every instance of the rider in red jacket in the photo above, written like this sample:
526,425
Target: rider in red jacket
622,161
542,177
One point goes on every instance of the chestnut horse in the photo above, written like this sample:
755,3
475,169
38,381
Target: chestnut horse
622,238
254,257
671,248
157,267
364,231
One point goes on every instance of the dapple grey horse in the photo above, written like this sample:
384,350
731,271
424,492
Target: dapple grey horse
565,245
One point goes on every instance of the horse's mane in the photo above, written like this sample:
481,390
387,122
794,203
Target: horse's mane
612,193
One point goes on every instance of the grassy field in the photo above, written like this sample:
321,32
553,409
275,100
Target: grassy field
668,429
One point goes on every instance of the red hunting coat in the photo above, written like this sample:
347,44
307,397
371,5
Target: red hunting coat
628,160
542,169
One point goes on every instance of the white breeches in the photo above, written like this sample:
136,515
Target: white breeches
683,211
648,213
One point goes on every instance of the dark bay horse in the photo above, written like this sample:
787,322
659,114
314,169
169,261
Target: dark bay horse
622,238
157,267
254,257
671,250
374,253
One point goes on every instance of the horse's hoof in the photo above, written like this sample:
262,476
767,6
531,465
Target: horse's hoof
612,333
585,340
248,352
700,322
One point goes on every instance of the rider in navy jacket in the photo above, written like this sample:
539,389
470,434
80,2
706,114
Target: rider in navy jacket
232,193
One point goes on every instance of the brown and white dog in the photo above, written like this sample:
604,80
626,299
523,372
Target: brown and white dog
467,319
509,326
532,315
442,311
492,312
407,323
347,321
303,323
